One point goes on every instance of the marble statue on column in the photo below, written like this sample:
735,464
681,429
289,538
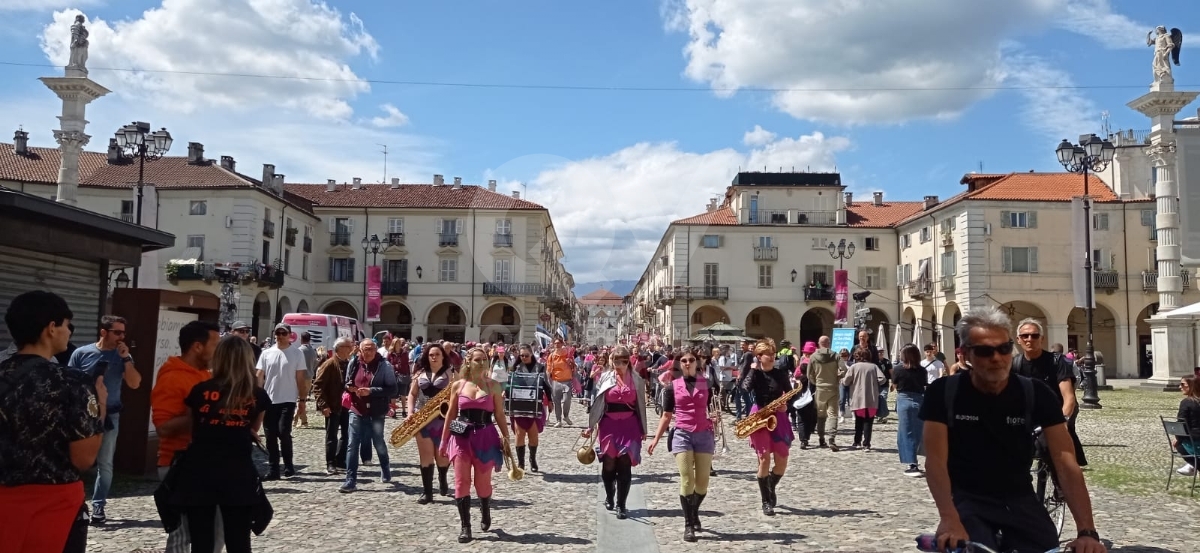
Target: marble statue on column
1166,49
79,45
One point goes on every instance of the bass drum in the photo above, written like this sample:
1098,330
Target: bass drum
523,397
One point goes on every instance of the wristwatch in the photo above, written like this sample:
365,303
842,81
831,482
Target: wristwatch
127,359
1089,534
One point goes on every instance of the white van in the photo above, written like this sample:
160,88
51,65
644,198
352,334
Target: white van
323,329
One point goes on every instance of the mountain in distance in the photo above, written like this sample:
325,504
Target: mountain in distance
618,287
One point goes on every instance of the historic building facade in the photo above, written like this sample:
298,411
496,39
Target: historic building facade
600,312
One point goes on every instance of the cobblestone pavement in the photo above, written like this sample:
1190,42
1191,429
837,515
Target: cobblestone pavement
846,501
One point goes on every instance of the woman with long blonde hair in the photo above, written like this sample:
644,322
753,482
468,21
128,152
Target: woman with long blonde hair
471,438
218,470
768,385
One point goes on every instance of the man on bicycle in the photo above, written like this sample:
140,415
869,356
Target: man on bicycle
1054,370
979,447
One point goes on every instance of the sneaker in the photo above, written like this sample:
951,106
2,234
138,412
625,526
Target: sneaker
289,472
912,471
347,488
97,515
568,422
558,424
1186,470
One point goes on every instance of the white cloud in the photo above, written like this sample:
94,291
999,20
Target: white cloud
289,38
758,136
1096,19
394,117
644,187
43,5
1051,109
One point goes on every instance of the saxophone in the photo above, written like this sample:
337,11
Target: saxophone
437,406
765,417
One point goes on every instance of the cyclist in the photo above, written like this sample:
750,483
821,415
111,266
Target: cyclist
1054,370
979,447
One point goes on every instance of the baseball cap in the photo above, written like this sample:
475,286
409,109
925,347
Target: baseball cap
240,325
283,326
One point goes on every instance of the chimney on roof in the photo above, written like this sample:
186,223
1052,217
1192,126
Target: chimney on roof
930,202
21,143
878,199
268,175
849,198
195,153
228,164
457,183
712,205
114,152
357,183
492,185
438,180
330,185
277,184
517,194
395,182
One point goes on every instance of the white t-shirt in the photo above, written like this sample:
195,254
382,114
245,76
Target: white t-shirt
279,369
933,369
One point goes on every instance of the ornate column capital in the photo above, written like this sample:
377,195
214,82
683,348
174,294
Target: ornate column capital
1162,153
72,139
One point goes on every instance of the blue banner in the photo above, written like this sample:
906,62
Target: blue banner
843,338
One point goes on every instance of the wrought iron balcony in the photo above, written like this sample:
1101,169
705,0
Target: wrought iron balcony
126,216
269,275
195,271
920,288
502,240
768,217
1106,279
668,294
766,253
394,288
395,239
289,236
812,293
1150,280
816,217
514,289
307,244
339,239
447,240
269,229
948,283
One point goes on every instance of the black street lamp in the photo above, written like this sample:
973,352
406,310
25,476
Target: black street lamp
136,141
121,279
1091,155
841,252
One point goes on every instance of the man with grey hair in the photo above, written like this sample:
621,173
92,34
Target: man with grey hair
979,446
1055,371
328,386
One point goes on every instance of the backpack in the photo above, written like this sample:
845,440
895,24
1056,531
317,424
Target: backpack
787,362
953,382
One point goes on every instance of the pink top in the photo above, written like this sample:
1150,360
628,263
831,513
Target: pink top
623,392
691,408
486,403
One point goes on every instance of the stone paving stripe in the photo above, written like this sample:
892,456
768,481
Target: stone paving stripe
632,535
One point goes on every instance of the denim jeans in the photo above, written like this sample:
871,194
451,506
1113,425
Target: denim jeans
104,462
883,406
909,433
366,430
744,400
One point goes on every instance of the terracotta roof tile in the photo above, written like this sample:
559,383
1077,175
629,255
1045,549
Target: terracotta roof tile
1044,187
409,195
40,165
721,216
869,215
601,297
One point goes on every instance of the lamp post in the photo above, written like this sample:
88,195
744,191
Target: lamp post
841,252
1091,155
135,141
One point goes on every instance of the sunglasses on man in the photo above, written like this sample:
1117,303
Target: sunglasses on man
988,351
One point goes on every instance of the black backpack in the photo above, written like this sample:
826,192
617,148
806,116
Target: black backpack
787,363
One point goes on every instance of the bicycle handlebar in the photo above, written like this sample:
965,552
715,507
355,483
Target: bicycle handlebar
928,543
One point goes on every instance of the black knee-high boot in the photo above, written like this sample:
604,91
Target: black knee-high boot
485,513
764,490
609,477
443,486
533,458
697,499
689,532
521,456
426,485
464,516
624,481
775,478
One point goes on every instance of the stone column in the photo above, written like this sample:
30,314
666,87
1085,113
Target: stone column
76,92
71,144
1166,224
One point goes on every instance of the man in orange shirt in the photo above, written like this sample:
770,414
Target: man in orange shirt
560,366
172,419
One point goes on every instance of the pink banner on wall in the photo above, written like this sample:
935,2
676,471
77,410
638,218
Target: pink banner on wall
374,288
841,296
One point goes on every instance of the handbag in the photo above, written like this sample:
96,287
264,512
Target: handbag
803,399
459,427
261,460
346,402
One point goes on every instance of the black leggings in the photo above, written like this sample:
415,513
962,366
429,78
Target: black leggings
862,430
621,466
201,522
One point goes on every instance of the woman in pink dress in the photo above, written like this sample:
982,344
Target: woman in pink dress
477,410
618,418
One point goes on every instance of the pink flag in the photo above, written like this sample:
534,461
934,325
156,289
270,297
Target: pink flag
374,287
841,295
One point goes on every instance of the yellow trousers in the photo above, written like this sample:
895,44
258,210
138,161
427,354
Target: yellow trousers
694,469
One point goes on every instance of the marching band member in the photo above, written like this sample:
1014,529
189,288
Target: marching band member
471,441
618,417
768,385
529,428
692,440
433,374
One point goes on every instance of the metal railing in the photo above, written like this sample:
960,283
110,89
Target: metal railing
307,244
514,289
447,240
765,253
124,216
269,229
816,217
818,294
920,288
668,294
1106,279
948,283
502,240
395,239
768,217
289,236
394,288
1150,280
339,239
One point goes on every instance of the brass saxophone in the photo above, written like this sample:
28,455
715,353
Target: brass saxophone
765,417
437,406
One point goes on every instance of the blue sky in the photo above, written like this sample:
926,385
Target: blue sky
614,166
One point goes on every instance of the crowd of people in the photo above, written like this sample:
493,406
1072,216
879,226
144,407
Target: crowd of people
972,420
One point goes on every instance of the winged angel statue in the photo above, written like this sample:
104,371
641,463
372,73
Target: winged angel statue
1166,49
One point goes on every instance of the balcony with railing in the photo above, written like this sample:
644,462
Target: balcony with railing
766,253
1105,279
1150,280
395,239
307,244
818,293
514,289
920,288
270,276
447,240
788,217
948,283
668,294
816,217
394,288
502,240
289,236
340,238
269,229
126,216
